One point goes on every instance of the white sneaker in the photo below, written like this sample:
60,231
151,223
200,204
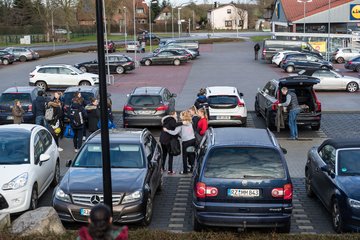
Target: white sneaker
60,149
76,150
84,138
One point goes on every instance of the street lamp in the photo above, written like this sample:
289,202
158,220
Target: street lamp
125,27
304,1
172,21
179,18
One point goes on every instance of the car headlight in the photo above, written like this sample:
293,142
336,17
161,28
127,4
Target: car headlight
132,197
354,203
62,196
17,182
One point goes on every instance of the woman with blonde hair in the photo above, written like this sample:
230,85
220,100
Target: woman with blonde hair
187,135
194,116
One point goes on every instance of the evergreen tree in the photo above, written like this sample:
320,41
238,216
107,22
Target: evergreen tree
155,9
23,12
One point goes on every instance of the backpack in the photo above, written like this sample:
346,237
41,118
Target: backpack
49,113
76,117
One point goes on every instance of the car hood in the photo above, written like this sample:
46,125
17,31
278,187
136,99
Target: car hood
9,172
83,180
350,185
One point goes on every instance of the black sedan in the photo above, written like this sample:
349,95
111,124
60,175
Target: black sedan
6,58
164,57
298,61
353,64
333,174
135,159
117,63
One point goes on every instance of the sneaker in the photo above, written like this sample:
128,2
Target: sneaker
171,172
76,150
60,149
183,173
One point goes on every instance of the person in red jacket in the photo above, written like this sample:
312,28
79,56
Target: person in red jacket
202,125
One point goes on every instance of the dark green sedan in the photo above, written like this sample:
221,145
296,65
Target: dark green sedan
164,57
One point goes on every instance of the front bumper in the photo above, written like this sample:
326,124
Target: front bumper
15,201
7,118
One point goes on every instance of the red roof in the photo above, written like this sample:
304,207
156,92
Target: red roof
292,12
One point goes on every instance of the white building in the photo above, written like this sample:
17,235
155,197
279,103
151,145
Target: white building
228,17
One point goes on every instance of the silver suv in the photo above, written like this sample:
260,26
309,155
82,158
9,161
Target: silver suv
345,54
23,54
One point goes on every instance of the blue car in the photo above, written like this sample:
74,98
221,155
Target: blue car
241,180
333,175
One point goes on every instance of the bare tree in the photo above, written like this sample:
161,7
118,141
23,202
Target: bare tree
68,10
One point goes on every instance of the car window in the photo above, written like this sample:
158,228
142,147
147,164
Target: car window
348,162
244,162
311,58
346,50
328,154
145,100
46,138
122,155
65,71
49,70
14,147
9,98
266,87
38,148
222,99
68,96
149,147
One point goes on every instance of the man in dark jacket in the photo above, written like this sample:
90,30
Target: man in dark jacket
76,106
256,50
93,114
38,108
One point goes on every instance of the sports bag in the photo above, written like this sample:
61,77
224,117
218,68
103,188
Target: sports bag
76,117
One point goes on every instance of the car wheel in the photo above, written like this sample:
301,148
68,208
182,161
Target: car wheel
284,229
22,59
290,69
34,198
315,128
340,60
5,61
308,188
84,83
337,221
120,70
195,223
56,178
177,62
352,87
148,211
147,62
42,85
257,109
83,68
357,68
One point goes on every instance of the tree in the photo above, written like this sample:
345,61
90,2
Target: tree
164,4
23,12
67,8
155,9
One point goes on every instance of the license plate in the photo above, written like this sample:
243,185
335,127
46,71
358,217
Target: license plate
223,117
85,212
144,112
246,193
10,118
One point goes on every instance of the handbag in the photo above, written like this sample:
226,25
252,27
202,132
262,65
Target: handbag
175,148
111,125
69,132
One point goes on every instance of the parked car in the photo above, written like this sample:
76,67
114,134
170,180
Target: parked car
164,57
183,51
26,95
278,57
267,99
342,55
241,180
6,57
117,64
61,31
148,36
353,64
332,174
136,159
146,106
226,106
189,44
110,47
22,54
194,54
29,164
60,75
332,80
299,61
132,46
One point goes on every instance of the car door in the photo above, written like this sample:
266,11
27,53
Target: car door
41,168
311,62
50,75
267,97
168,99
49,149
93,66
67,77
346,54
161,58
149,152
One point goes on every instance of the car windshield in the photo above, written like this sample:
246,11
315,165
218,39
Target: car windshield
68,96
9,98
348,162
244,162
14,147
222,100
121,156
74,69
145,101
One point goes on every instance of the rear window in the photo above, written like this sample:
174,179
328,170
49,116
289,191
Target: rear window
70,95
11,97
244,162
222,100
145,101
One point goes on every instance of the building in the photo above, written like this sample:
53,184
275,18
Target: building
228,17
164,16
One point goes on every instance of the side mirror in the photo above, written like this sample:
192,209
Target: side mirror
241,94
154,164
329,171
44,157
68,163
283,150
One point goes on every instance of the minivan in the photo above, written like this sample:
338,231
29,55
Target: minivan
273,46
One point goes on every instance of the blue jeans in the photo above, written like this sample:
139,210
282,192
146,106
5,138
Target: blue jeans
39,120
292,123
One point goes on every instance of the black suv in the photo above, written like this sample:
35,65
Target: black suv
267,99
298,61
241,180
6,58
135,158
26,95
146,106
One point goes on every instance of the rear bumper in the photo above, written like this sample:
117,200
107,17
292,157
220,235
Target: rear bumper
239,121
143,120
305,119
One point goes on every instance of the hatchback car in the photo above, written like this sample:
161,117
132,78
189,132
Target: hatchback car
29,164
132,46
135,158
59,76
332,174
6,57
268,98
23,54
353,64
170,57
278,57
226,106
300,61
342,55
146,106
26,96
241,180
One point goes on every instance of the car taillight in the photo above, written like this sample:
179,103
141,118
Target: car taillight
128,108
285,192
264,52
274,106
317,102
30,108
162,108
203,191
349,62
240,103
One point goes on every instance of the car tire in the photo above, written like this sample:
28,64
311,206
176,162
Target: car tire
352,87
42,85
148,211
147,62
285,229
340,60
357,68
290,69
257,109
22,59
83,68
5,61
84,83
197,227
56,178
315,128
308,188
34,199
177,62
337,221
120,70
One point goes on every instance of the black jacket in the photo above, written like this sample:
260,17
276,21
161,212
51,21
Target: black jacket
170,123
201,102
39,106
83,111
93,115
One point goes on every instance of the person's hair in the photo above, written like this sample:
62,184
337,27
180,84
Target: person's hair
194,109
40,93
185,116
100,226
203,112
202,91
16,101
92,100
285,89
76,94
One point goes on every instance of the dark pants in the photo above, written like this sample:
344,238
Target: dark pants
256,55
187,157
78,134
166,151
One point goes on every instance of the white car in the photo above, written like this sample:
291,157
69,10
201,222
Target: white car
60,75
278,57
29,164
132,46
226,106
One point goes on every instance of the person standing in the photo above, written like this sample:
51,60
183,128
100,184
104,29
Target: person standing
202,125
256,50
293,108
77,121
54,125
93,113
39,108
143,45
18,112
194,116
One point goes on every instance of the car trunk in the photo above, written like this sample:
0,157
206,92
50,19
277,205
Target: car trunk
146,104
223,102
306,98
